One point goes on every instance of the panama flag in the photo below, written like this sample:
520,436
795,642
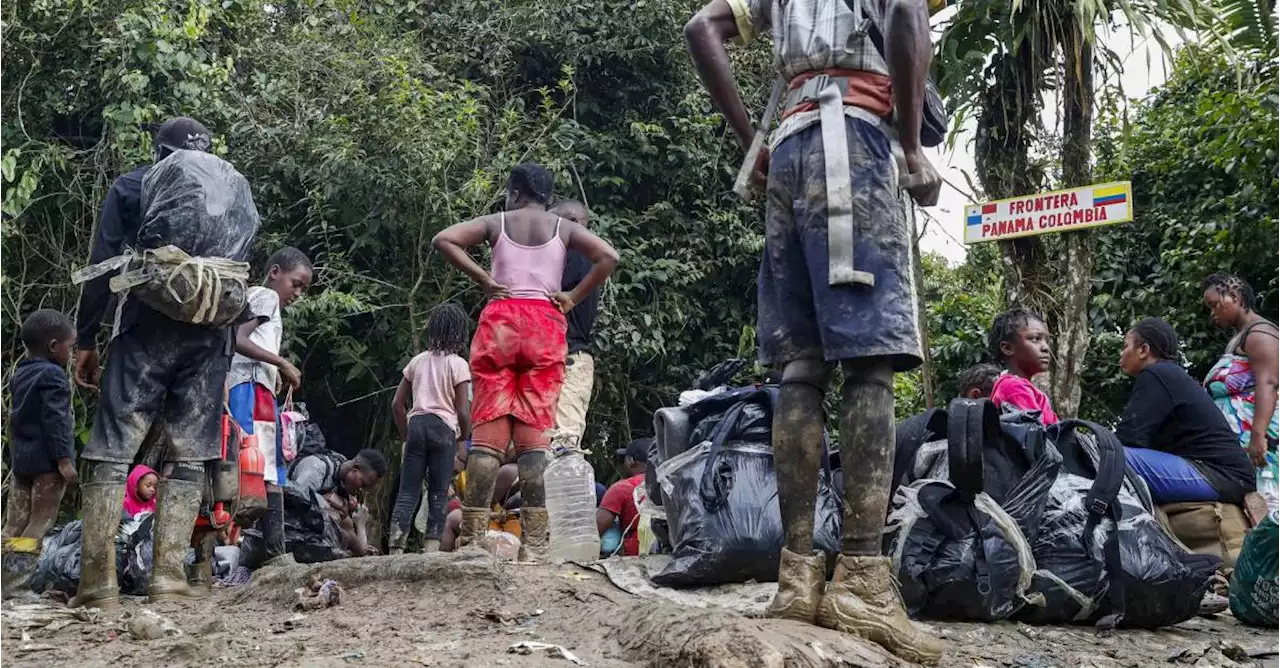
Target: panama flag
976,213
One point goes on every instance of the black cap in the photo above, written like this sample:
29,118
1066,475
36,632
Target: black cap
638,450
184,134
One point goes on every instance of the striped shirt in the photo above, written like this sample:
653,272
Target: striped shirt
814,35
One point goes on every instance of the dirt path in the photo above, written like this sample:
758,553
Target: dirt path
466,610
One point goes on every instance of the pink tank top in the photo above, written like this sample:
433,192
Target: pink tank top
529,272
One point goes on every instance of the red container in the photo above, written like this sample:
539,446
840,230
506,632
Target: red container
253,486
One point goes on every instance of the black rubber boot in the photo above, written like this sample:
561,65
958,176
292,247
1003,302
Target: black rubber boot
177,502
273,525
100,508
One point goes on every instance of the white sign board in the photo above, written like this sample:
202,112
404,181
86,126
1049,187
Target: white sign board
1044,213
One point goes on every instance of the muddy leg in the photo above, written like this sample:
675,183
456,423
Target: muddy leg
797,447
863,597
866,452
483,462
46,496
534,534
18,512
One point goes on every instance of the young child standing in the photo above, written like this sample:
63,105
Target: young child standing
435,427
1020,339
518,353
41,445
258,371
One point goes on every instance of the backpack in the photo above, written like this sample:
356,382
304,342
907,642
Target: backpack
1098,554
959,553
313,444
933,116
198,222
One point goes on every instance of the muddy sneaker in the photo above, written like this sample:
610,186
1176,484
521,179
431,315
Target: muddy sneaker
1212,604
800,584
863,600
535,541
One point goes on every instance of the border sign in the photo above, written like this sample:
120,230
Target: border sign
1045,213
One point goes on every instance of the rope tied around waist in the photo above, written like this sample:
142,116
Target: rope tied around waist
167,265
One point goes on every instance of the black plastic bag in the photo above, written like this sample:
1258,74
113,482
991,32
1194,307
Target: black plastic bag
754,424
309,533
958,553
59,566
134,554
199,203
721,501
1102,556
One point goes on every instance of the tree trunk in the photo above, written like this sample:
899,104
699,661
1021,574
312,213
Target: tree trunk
1071,335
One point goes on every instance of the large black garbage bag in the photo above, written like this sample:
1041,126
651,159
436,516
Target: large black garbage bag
1101,555
309,533
958,553
199,203
59,566
754,424
134,554
721,500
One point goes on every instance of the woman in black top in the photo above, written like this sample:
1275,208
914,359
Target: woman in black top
1175,437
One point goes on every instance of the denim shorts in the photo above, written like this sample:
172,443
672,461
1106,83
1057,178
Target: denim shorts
801,316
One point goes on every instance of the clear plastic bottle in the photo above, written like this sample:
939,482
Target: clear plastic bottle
571,508
1269,488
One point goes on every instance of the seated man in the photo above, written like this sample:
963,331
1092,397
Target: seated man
619,502
341,482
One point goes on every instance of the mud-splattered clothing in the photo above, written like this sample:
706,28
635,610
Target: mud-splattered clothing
168,370
517,362
40,418
801,315
117,228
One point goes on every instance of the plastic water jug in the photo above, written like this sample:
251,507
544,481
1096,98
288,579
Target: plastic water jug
571,508
1269,488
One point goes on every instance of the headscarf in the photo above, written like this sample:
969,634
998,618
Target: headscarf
132,503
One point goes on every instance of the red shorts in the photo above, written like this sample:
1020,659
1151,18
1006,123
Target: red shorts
517,362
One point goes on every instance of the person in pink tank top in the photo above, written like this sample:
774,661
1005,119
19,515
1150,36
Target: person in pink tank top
518,352
1020,339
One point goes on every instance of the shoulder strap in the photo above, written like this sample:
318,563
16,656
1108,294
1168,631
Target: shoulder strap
1244,334
970,424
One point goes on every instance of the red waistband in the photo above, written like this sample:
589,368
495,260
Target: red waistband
868,90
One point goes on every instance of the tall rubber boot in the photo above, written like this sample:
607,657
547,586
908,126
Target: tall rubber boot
100,507
800,584
200,573
177,502
863,599
474,527
535,537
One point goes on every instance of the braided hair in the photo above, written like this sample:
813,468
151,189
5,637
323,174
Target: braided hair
447,329
1227,285
534,180
1159,337
1005,328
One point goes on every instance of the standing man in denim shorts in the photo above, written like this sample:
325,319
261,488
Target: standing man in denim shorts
835,282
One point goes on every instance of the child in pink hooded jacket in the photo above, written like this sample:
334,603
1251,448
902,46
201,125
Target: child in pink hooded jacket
140,492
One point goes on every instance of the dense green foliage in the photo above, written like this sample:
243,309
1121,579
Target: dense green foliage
366,127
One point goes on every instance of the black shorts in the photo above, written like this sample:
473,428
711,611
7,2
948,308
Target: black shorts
162,369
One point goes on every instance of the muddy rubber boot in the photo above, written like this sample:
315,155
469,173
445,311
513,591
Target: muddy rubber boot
18,559
200,573
177,502
800,584
100,508
474,526
863,600
535,538
430,545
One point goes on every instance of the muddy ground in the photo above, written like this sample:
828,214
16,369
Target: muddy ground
467,610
